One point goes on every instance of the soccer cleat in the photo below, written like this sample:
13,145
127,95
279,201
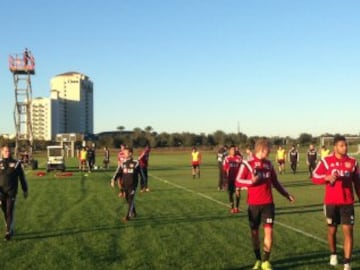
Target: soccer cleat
236,210
125,219
147,189
266,266
7,236
347,266
257,265
333,260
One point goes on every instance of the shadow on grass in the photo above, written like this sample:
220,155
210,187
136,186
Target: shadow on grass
152,221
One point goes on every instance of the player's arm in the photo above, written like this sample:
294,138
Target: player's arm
275,182
115,176
356,180
23,182
320,174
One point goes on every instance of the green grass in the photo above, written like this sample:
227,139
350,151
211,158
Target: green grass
74,223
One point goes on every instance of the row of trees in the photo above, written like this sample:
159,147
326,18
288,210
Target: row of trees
147,136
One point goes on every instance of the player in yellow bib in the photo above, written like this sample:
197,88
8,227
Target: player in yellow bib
324,152
280,159
195,162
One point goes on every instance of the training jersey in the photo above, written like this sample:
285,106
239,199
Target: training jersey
311,156
195,157
259,193
294,155
280,154
341,191
324,153
83,154
129,171
144,158
11,172
231,165
221,154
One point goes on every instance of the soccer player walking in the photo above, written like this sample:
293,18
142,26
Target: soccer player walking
144,162
311,158
231,167
129,171
340,174
195,162
280,159
220,156
259,175
11,172
294,157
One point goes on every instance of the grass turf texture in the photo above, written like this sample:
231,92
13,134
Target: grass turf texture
74,223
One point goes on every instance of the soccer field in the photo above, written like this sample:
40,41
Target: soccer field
74,223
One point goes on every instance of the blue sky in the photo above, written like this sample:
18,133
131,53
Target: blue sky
277,67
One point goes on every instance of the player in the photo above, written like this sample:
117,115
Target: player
11,172
324,151
129,171
294,157
280,159
259,175
221,154
249,153
195,162
144,163
311,159
231,167
120,159
83,159
340,174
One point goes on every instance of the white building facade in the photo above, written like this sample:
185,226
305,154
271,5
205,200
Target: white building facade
68,110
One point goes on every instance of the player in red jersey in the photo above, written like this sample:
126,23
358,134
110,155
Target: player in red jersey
143,165
231,167
259,175
340,174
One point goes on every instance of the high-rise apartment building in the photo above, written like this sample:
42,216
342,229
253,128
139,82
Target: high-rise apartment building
68,110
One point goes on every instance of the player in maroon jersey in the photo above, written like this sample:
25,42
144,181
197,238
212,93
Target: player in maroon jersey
121,158
143,164
340,175
231,166
258,175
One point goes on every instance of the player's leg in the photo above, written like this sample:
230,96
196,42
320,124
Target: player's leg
142,180
347,220
10,209
220,182
193,172
254,222
267,217
332,215
237,199
146,180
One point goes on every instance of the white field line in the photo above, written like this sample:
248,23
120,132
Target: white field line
309,235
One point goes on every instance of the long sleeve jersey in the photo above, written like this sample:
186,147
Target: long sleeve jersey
231,166
11,172
260,192
347,172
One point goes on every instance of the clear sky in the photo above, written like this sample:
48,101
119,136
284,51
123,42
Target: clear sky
277,67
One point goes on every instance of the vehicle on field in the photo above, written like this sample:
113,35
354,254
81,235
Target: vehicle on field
55,158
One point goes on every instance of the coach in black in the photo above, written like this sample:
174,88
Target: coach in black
11,172
129,171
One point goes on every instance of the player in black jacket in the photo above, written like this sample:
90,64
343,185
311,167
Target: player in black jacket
11,172
129,171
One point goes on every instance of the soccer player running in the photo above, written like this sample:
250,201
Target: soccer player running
231,167
129,171
280,158
294,157
340,174
120,159
311,158
259,175
195,162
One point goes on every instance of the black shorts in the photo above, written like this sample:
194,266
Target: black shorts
264,213
281,161
339,214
